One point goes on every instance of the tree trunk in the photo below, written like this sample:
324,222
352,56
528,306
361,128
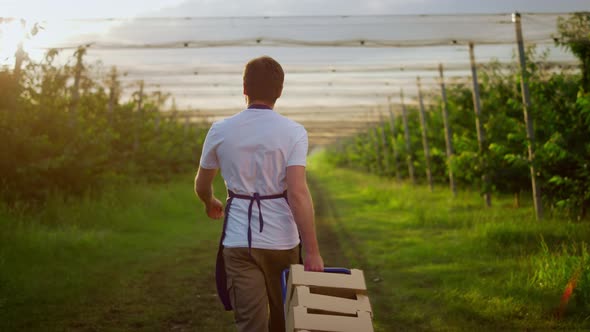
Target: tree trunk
517,199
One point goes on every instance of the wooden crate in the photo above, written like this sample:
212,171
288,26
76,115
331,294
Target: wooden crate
318,301
303,319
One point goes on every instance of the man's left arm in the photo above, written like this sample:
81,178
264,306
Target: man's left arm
205,192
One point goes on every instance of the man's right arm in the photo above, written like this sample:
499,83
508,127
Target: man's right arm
302,208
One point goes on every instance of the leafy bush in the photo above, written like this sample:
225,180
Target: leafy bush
56,141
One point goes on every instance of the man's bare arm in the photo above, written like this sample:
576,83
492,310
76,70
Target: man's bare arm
204,190
302,208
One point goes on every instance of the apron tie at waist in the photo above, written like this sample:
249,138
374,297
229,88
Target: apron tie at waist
254,198
220,274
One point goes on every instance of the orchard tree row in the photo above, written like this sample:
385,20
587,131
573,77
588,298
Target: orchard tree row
498,161
64,130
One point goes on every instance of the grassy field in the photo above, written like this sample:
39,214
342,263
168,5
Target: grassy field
141,258
435,263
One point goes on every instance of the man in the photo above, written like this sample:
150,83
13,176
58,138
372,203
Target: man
262,157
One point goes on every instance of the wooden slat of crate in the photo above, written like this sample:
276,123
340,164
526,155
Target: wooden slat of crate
299,319
303,297
299,277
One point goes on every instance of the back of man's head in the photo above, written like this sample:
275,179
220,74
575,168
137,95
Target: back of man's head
263,79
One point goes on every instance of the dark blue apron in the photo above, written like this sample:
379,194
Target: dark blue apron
220,274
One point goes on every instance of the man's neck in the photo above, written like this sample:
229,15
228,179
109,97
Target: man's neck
260,104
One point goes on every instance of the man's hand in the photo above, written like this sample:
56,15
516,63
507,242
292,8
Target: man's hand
214,209
204,190
314,263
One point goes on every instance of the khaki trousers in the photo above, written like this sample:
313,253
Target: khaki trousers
254,284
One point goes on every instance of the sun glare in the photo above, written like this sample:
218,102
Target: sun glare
37,36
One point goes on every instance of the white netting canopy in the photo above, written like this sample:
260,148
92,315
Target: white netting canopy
332,31
336,64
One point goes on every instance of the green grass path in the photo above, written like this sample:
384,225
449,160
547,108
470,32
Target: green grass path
141,258
137,259
434,263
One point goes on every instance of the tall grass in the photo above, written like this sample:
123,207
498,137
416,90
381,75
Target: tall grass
556,269
450,264
59,262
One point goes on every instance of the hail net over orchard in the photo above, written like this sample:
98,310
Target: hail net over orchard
342,72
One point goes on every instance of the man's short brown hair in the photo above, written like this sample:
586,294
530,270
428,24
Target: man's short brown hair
263,79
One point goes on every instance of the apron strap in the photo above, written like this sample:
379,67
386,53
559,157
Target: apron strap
255,198
220,273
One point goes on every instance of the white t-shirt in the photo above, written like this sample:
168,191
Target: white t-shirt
253,149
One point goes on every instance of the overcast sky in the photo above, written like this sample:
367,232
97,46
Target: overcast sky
126,8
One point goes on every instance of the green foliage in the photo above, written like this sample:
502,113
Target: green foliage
59,139
561,113
574,34
560,108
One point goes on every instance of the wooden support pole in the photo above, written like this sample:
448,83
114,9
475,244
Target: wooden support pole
113,92
479,127
359,151
528,118
140,99
139,116
157,124
158,100
394,141
186,124
376,147
377,152
424,126
385,151
18,63
366,152
347,149
77,77
409,157
448,132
